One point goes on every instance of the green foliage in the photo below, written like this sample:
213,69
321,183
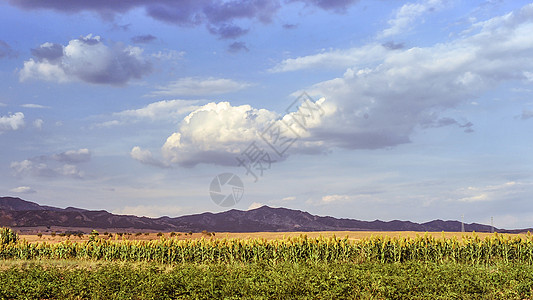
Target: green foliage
8,236
370,280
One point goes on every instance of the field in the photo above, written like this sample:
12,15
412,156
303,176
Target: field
143,236
327,265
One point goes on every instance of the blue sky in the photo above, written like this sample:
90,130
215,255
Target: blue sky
425,106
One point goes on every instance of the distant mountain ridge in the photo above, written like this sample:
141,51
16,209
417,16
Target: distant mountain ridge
15,212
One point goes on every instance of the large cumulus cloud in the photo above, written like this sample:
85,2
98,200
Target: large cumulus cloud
377,105
87,59
217,133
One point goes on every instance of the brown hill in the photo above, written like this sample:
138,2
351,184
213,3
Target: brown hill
15,212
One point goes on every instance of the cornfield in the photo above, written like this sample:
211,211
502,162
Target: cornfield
470,249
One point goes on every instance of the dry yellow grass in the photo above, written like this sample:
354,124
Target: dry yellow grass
352,235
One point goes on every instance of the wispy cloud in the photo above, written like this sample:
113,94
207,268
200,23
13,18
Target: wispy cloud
23,190
359,56
498,192
166,110
408,14
193,86
56,165
30,105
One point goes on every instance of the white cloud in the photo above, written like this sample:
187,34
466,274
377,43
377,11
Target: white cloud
476,198
23,190
12,122
38,123
491,192
341,199
57,165
86,59
28,167
107,124
171,55
166,110
336,198
2,104
217,132
31,105
191,86
73,156
70,171
42,71
145,157
291,198
408,14
361,56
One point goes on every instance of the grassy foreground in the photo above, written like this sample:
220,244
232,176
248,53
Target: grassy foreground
379,267
76,279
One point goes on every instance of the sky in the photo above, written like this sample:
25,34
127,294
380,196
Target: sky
359,109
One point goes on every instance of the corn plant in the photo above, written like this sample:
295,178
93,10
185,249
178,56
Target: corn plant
8,236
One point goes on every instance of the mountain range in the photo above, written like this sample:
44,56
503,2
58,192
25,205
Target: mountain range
18,213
